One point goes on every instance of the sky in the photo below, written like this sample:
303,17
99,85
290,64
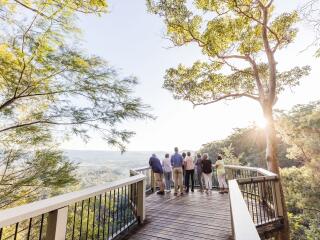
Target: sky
132,40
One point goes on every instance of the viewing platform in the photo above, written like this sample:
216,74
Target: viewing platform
129,209
191,216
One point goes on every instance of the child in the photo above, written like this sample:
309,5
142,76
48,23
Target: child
221,174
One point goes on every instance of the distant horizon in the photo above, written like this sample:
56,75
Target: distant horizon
118,151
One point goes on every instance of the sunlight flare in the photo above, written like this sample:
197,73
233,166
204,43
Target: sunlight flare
261,123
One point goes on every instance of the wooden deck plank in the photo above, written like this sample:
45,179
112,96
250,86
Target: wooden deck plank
189,217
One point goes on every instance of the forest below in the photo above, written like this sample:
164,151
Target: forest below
298,136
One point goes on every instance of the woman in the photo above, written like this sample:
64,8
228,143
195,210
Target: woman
167,171
221,174
189,167
206,167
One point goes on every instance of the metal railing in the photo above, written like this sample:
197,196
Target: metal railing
149,177
243,227
103,212
100,212
261,193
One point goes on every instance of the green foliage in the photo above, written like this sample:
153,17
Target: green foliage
229,157
248,146
33,173
203,83
51,89
59,11
300,128
46,83
43,81
301,187
228,32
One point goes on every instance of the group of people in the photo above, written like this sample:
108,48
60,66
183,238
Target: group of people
183,168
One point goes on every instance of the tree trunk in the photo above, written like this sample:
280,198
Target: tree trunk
273,164
271,148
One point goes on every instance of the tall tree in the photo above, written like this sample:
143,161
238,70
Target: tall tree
49,89
240,39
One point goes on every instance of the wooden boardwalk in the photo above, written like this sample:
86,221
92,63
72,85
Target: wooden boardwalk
188,217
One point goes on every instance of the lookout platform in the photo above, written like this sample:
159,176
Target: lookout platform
191,216
129,209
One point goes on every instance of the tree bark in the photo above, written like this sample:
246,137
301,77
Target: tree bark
273,164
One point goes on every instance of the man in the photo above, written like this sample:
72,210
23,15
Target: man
198,171
177,162
156,167
189,168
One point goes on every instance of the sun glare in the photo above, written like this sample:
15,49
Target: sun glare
261,123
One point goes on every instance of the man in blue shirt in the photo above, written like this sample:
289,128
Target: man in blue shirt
157,170
177,162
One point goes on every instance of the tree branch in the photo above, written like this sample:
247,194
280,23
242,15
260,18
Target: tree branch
257,78
233,57
261,23
31,9
225,97
270,56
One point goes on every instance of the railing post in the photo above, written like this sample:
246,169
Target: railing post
141,205
57,224
262,191
276,194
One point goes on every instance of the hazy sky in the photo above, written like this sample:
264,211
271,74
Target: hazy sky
132,40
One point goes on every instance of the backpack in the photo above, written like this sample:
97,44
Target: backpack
206,166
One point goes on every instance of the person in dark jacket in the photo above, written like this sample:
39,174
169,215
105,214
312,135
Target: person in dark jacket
206,166
198,171
157,170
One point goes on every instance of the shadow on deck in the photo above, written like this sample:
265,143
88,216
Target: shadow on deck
191,216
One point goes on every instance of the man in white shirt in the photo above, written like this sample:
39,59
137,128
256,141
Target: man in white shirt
189,167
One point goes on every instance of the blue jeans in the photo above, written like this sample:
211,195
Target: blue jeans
168,179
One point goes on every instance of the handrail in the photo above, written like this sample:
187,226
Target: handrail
139,169
114,206
261,195
242,224
150,181
30,210
262,171
237,167
132,191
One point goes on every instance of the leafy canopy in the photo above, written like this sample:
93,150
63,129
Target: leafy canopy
46,82
51,89
239,38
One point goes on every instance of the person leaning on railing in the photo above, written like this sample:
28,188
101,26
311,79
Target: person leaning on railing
221,174
156,167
